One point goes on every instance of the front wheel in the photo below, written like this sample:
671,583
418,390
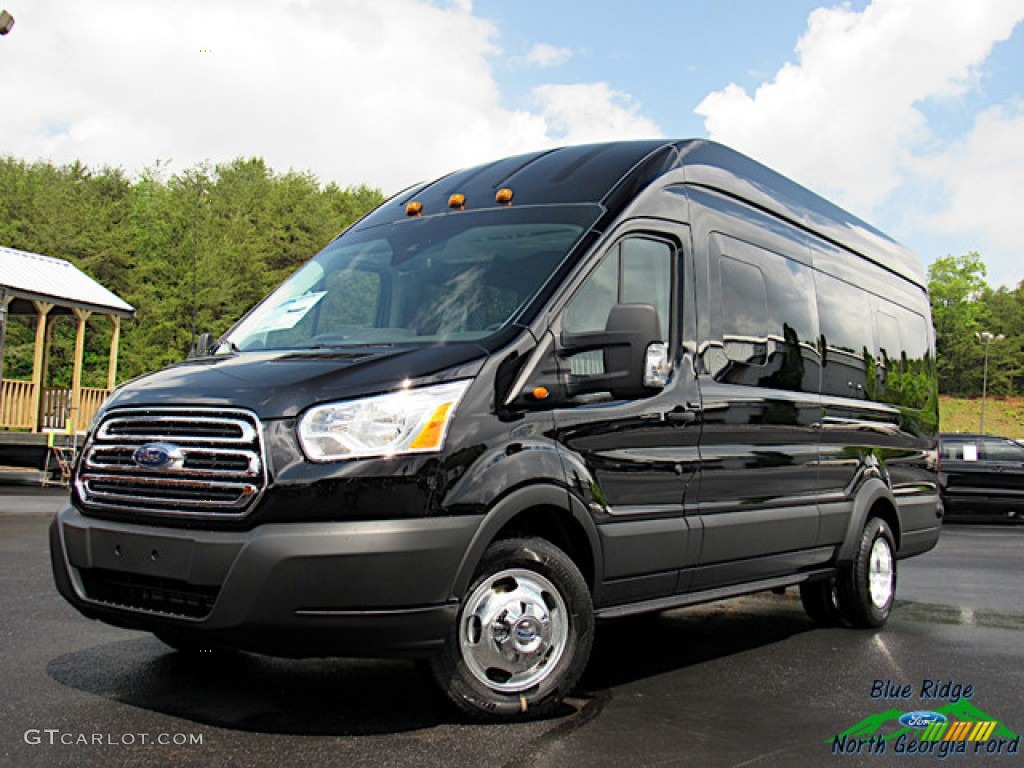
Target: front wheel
866,589
523,635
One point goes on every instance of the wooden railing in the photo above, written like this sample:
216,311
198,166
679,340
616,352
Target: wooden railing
92,399
16,405
54,408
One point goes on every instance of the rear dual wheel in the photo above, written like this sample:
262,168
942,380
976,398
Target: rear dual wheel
863,593
867,588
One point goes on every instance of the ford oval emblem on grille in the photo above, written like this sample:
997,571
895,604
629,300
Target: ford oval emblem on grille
158,456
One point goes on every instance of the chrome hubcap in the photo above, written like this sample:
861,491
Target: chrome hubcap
514,630
880,573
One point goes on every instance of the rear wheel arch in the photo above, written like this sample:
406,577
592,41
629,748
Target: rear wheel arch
874,500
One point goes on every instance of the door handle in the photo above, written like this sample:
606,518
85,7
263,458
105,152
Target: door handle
681,416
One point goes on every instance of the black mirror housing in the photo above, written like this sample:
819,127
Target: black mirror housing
629,331
203,346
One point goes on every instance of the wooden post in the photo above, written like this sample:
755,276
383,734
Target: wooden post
43,309
51,331
81,315
115,338
5,300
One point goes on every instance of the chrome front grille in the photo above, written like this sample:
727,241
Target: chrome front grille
182,462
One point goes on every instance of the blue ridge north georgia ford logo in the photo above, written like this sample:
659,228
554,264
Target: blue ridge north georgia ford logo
158,456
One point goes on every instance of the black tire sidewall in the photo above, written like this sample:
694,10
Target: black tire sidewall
854,590
472,696
820,602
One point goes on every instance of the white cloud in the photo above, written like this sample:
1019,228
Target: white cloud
543,55
845,118
383,93
590,112
983,177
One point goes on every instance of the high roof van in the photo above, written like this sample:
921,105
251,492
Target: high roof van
576,384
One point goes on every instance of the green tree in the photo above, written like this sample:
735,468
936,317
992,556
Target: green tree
955,284
194,250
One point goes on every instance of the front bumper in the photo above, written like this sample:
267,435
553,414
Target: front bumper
301,589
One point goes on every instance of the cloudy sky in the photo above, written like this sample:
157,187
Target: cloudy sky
908,112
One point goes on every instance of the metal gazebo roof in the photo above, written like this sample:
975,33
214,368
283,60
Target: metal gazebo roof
30,276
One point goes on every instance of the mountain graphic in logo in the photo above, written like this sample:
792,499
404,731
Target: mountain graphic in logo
883,723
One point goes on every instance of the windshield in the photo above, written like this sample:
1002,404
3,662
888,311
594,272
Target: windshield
452,277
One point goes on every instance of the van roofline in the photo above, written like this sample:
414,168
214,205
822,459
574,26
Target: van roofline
612,174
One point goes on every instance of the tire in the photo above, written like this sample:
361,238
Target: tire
523,634
867,588
821,602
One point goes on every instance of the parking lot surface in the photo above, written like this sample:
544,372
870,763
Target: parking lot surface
748,682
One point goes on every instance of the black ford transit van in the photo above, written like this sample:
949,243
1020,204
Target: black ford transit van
576,384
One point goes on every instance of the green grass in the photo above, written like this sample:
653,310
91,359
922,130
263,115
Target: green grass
1003,415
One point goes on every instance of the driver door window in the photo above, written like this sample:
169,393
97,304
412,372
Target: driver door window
637,270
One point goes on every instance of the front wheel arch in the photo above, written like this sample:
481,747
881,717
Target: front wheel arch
520,514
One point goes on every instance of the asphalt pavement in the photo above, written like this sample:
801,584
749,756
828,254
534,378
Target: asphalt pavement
746,682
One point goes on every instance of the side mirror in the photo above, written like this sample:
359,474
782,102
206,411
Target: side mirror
203,347
635,355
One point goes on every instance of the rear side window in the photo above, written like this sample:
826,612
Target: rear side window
902,360
847,340
765,326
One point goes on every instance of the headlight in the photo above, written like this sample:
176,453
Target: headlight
410,421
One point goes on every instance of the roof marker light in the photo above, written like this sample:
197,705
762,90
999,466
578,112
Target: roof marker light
414,208
504,196
457,202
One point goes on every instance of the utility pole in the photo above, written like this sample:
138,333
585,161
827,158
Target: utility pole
986,338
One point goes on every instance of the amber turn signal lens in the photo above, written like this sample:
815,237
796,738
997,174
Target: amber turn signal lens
457,201
504,196
414,209
540,393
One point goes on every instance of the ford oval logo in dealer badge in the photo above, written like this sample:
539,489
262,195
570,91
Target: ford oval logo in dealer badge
922,719
158,456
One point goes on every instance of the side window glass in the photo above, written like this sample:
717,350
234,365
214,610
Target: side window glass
1003,450
647,277
744,312
843,310
638,270
588,311
764,325
902,367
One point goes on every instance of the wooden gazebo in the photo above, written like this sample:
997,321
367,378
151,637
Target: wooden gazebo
49,289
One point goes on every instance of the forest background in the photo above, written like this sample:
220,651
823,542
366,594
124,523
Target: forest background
193,251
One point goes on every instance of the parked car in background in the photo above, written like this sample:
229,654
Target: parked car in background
982,474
